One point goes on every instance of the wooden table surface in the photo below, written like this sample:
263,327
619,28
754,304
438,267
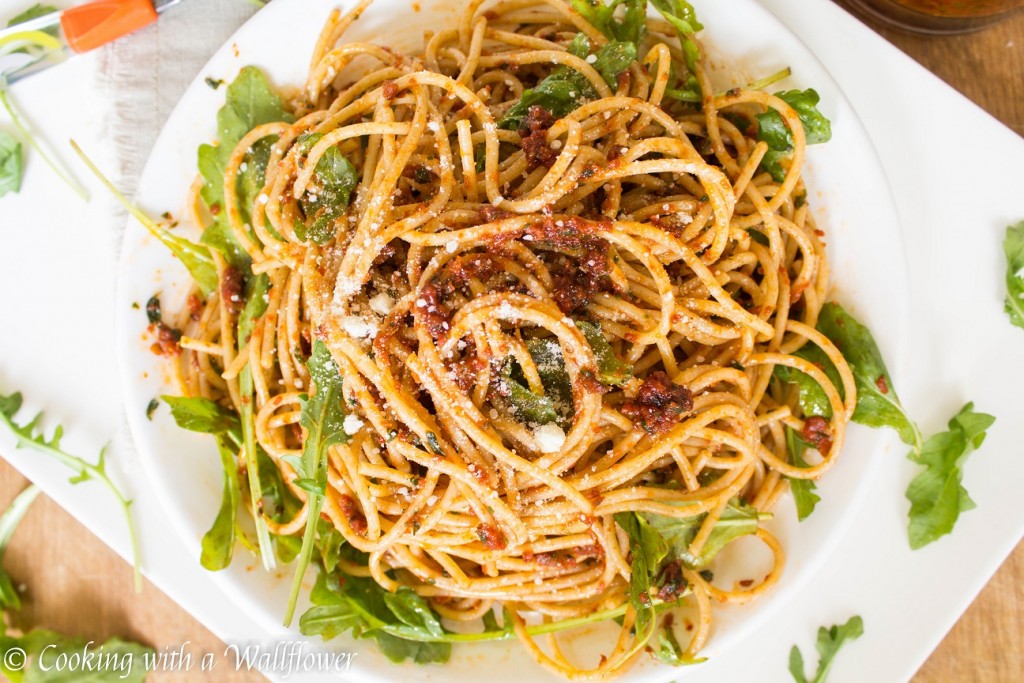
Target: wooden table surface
76,585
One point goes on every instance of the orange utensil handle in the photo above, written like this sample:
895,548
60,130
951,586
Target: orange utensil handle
89,26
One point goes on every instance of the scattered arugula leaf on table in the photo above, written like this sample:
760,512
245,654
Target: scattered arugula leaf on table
30,435
9,598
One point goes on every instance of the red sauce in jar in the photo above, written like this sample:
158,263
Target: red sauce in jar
961,8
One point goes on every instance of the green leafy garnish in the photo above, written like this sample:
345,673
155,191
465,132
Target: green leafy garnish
565,89
219,542
250,101
208,417
611,369
34,144
195,257
647,549
256,299
42,657
772,129
666,648
683,18
803,489
198,414
547,356
30,435
936,495
402,623
737,519
525,405
1013,247
323,415
326,199
877,402
631,27
11,164
830,641
34,12
9,598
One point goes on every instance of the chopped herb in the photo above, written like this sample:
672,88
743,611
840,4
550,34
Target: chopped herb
151,408
213,83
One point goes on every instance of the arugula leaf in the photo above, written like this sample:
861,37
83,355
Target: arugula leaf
525,405
11,164
610,369
1013,247
830,641
115,660
30,435
547,356
647,549
198,414
34,12
683,18
668,650
195,257
327,197
203,415
772,129
279,504
810,396
361,606
877,402
219,542
256,300
631,27
5,101
9,598
253,177
936,495
737,519
323,416
565,89
803,489
250,101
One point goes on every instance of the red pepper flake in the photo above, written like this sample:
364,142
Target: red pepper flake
882,385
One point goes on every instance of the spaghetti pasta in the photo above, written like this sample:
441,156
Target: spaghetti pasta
556,290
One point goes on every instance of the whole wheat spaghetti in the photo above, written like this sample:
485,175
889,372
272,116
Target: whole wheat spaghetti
557,323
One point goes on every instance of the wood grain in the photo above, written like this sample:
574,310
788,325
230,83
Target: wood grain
76,585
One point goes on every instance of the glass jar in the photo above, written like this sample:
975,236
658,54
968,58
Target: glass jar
937,16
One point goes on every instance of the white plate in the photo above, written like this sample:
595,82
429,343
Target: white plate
184,469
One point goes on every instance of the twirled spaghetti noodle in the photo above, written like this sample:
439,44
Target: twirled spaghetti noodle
479,265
